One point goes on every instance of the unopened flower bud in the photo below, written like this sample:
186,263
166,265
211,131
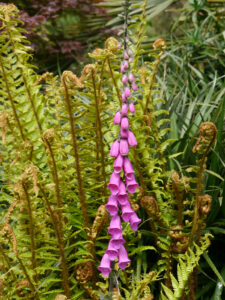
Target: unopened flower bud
130,52
125,64
134,87
124,98
124,79
132,107
117,118
131,77
124,109
125,55
127,92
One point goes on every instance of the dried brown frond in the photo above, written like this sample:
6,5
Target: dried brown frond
205,203
160,43
87,71
49,135
99,222
70,78
3,123
150,205
44,77
207,137
111,44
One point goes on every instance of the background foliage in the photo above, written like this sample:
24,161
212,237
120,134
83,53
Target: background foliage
46,242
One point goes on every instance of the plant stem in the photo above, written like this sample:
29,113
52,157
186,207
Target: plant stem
59,236
25,82
99,128
31,232
11,101
77,160
114,82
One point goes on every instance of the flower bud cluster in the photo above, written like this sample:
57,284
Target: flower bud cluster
122,180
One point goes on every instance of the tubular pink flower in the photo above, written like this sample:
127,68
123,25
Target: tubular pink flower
117,240
105,265
124,148
122,194
117,118
114,151
123,258
124,109
118,164
131,139
124,123
114,183
132,107
134,87
124,133
127,211
125,64
130,52
134,221
111,251
131,185
124,79
115,225
131,77
124,98
127,92
112,205
128,169
130,60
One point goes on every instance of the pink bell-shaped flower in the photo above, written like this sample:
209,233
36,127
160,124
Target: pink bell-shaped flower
132,107
130,60
131,139
127,91
115,225
122,194
105,265
124,109
127,211
124,79
134,87
111,251
125,64
123,258
131,185
114,151
131,77
124,133
125,55
117,118
117,240
114,183
128,169
112,205
124,98
124,123
118,164
124,148
134,221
